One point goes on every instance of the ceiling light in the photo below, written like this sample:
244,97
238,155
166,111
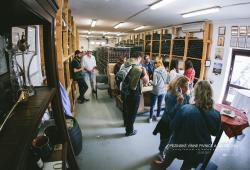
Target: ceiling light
159,4
118,25
89,32
201,12
93,22
138,28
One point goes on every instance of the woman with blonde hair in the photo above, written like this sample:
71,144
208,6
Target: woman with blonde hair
159,80
176,96
193,125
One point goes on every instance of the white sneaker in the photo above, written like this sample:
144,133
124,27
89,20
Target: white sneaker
150,120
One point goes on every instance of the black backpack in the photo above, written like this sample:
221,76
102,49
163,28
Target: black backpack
125,86
121,75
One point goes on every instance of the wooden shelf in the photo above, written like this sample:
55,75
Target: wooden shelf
21,128
177,56
194,39
194,58
69,86
67,58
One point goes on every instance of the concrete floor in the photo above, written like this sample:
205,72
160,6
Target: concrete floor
106,148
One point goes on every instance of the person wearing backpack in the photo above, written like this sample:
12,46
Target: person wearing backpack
160,78
131,91
77,75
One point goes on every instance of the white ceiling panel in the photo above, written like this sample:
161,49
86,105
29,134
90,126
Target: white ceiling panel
110,12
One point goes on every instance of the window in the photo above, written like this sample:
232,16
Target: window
239,74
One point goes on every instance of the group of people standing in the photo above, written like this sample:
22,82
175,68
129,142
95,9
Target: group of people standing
182,124
83,68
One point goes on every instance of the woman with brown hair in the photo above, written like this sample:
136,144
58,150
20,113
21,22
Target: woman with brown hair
176,96
160,78
192,128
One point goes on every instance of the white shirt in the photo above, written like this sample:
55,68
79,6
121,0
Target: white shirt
88,62
173,74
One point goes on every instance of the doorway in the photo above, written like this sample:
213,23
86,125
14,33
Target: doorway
239,75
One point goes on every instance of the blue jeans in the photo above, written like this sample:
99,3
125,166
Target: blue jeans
91,77
159,99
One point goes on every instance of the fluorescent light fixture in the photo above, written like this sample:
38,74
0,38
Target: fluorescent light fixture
93,22
118,25
161,3
139,28
201,12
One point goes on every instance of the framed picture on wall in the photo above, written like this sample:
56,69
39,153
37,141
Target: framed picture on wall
242,42
234,30
219,53
248,31
248,42
217,68
220,41
234,42
222,30
243,30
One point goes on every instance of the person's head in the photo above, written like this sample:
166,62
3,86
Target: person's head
147,59
178,83
174,65
203,94
158,62
188,64
166,64
136,56
122,59
78,53
89,53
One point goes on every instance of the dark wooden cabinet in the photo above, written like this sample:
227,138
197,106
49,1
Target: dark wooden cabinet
22,127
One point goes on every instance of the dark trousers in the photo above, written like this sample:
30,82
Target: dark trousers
83,87
131,107
159,99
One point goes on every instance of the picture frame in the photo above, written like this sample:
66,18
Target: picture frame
248,42
217,69
241,42
221,40
243,30
207,63
219,53
234,42
222,31
248,31
234,31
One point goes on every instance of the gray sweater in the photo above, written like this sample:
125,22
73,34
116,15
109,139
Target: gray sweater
160,78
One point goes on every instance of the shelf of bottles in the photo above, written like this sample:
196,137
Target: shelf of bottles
178,47
105,55
195,49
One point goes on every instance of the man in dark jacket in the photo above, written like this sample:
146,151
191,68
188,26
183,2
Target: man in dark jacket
78,76
132,99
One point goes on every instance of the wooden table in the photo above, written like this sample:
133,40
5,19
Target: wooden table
231,126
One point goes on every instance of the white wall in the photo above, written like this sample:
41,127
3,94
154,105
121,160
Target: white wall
92,43
220,81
